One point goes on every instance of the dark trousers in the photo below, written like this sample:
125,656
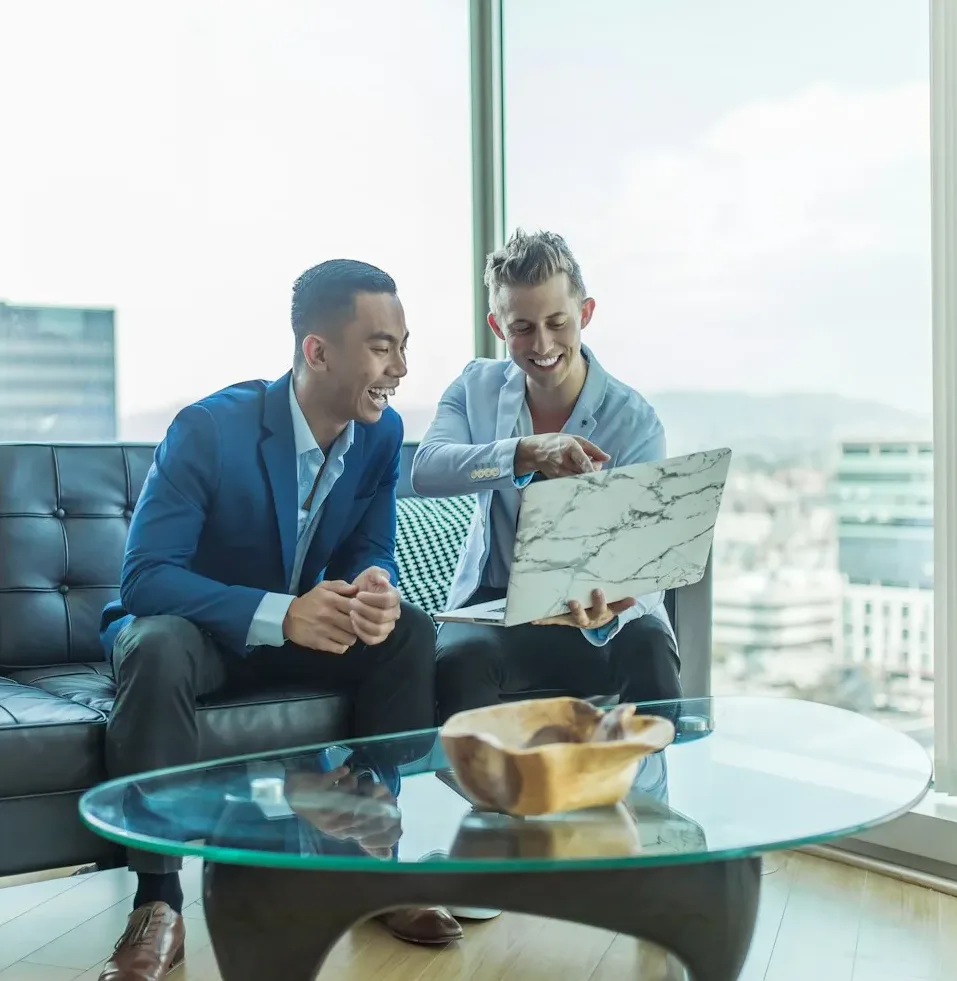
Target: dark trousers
478,664
163,664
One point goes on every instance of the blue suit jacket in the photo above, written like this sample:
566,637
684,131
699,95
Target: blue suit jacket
470,449
215,525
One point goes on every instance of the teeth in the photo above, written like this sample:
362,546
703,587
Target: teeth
546,362
381,396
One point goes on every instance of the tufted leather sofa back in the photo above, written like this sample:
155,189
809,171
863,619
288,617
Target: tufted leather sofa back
64,514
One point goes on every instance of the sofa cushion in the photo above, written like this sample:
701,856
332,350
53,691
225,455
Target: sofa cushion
52,722
430,534
64,516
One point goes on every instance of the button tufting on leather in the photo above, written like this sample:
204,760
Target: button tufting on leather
63,587
127,514
59,513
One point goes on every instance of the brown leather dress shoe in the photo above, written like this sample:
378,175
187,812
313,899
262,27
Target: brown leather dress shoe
432,925
151,946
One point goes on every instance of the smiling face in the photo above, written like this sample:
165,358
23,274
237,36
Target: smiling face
541,326
358,365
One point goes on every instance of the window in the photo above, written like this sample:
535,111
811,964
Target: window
168,171
758,244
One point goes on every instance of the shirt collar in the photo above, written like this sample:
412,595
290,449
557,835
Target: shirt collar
302,434
596,381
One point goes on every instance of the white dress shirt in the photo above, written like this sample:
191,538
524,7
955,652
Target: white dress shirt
266,626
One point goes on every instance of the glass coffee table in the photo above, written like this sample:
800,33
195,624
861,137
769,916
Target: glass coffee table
301,846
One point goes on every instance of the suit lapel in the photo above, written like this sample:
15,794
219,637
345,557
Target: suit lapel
278,449
510,401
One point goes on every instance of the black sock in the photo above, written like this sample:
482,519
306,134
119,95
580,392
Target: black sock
162,888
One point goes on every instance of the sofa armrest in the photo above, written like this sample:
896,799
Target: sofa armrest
692,622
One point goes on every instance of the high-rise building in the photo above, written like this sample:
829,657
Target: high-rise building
57,373
884,497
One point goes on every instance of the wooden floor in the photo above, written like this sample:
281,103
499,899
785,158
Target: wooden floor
819,921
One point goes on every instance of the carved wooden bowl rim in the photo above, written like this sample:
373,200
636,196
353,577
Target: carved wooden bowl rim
650,733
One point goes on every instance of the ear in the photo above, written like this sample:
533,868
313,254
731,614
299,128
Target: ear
496,330
588,311
315,352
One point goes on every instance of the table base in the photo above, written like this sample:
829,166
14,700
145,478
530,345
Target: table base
282,923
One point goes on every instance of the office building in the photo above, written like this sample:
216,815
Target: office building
884,497
57,373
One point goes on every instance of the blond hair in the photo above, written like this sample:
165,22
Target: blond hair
530,260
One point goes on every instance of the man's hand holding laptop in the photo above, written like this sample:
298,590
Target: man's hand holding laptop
557,455
596,615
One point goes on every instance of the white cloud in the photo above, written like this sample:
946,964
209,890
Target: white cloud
801,177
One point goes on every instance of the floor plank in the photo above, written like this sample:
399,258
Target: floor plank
22,935
818,919
18,899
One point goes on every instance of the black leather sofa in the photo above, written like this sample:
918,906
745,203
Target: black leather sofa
64,513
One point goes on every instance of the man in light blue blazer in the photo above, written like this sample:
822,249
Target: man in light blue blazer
549,410
262,550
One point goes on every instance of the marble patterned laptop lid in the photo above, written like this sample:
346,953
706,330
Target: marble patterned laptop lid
629,530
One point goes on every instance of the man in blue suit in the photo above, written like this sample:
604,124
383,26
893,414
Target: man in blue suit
550,410
262,548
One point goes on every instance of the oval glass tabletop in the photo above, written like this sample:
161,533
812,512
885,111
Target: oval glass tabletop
744,776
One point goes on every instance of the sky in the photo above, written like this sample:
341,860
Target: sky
745,183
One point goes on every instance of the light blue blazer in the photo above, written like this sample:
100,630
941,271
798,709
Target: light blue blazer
470,449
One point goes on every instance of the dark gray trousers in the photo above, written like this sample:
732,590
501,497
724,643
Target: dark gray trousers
479,664
163,664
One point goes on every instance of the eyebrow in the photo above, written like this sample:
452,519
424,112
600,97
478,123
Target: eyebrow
384,335
551,316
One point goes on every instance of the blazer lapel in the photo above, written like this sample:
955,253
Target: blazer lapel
510,400
278,448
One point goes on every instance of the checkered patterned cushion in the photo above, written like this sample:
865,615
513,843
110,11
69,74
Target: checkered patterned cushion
430,535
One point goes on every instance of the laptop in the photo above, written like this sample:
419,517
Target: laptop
629,531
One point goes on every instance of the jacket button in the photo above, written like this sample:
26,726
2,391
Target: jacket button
60,513
64,588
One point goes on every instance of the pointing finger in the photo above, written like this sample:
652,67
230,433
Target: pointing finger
593,451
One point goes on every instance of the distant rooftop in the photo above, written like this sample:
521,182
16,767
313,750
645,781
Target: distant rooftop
916,443
56,307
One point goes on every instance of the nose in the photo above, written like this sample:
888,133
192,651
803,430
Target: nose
541,342
398,368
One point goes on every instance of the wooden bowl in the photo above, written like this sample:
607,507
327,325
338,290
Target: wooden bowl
550,755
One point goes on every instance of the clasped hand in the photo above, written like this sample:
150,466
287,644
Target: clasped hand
338,806
334,614
598,614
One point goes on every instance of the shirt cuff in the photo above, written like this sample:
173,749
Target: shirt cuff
266,627
599,636
521,482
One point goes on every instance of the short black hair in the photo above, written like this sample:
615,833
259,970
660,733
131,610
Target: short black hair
326,295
